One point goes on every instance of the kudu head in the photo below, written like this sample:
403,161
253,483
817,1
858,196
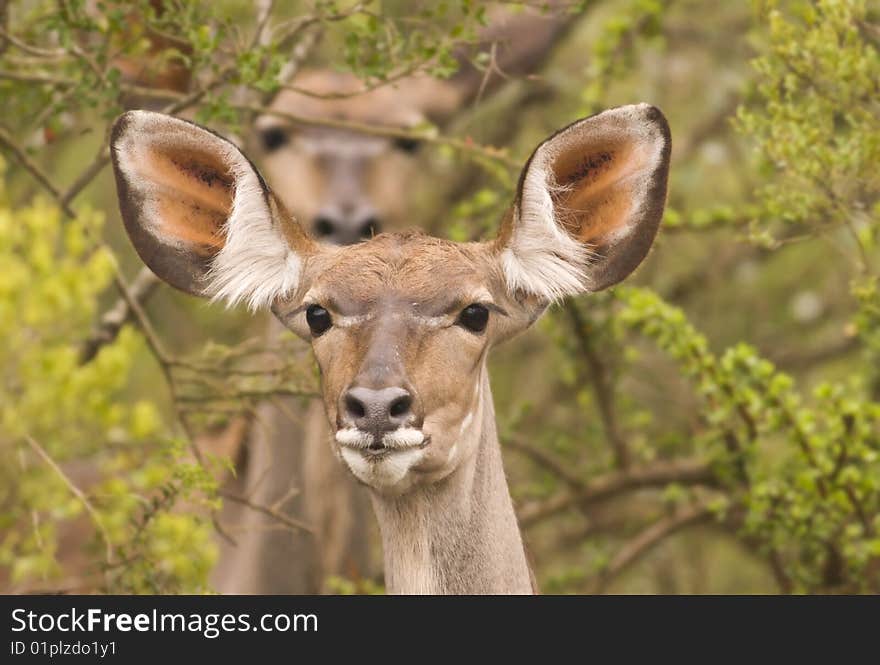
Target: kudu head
347,186
400,324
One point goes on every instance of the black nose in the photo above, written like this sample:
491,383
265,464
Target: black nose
345,231
378,411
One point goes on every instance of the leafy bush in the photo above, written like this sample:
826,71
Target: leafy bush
64,423
719,430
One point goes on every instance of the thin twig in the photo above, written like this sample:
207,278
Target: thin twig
78,493
603,388
35,78
264,12
87,175
118,315
363,90
33,168
28,48
267,510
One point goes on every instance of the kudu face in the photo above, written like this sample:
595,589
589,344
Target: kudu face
344,186
400,327
401,324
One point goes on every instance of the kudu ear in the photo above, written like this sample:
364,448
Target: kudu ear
588,204
199,214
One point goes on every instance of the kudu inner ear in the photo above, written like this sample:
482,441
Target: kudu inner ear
592,192
199,214
589,204
192,194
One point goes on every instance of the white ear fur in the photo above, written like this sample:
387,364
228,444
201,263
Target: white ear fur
541,258
255,264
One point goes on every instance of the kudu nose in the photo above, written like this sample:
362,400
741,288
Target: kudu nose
378,411
345,231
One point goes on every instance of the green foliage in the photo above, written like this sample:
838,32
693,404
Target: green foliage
815,120
794,462
613,54
345,587
467,215
377,45
815,501
93,471
105,57
867,324
71,450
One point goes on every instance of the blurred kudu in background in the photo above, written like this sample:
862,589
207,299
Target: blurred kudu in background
345,186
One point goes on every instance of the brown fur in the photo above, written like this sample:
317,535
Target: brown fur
458,516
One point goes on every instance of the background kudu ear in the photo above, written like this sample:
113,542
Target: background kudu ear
588,204
199,214
524,41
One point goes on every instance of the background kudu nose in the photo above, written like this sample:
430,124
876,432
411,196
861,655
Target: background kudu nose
378,411
345,231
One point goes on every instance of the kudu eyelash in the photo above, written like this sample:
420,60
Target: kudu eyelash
492,307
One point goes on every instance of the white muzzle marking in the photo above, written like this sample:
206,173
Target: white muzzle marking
352,437
404,448
400,439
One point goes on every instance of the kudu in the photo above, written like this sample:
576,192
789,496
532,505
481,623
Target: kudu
345,186
401,324
355,185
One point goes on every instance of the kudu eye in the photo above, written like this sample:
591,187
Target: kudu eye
318,319
273,138
474,318
409,146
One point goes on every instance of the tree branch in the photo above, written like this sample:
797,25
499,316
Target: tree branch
603,388
542,458
34,169
646,540
609,486
269,511
118,315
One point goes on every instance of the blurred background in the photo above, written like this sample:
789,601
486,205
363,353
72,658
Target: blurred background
712,426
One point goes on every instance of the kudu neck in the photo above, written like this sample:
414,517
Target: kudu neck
459,535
